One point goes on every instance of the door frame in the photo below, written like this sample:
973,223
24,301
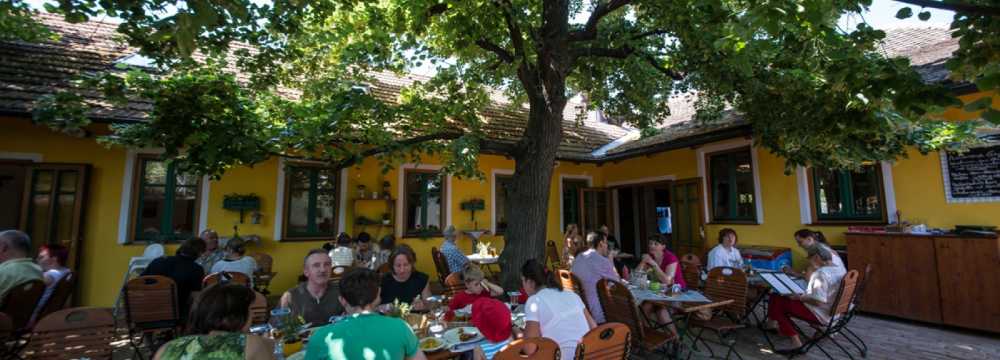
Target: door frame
667,180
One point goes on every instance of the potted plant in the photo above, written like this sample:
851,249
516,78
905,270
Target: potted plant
385,218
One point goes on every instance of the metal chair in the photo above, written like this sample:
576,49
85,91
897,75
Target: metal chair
544,349
226,277
610,341
20,302
73,333
839,318
619,306
724,283
60,295
151,307
858,298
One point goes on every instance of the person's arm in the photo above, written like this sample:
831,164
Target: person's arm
715,259
667,277
533,329
159,353
478,354
259,348
495,290
418,356
286,300
590,319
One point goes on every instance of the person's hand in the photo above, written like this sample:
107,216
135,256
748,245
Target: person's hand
648,260
418,304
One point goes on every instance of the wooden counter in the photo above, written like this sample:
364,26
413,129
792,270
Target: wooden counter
944,279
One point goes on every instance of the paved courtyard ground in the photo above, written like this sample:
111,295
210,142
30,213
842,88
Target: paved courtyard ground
887,338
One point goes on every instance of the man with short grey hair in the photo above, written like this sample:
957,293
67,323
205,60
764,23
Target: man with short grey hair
16,266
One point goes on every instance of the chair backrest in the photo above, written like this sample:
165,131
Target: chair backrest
545,349
691,270
234,277
619,306
151,303
453,284
862,284
60,294
552,255
258,309
21,301
610,341
153,251
571,282
726,283
264,262
73,333
440,264
845,295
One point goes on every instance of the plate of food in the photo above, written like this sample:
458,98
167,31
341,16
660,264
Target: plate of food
462,335
430,344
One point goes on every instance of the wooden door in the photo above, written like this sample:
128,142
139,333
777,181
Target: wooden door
968,273
595,209
688,235
52,206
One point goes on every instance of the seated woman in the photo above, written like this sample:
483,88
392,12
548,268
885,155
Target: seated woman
807,239
551,312
726,253
476,287
404,283
814,305
343,254
219,324
667,268
235,261
572,245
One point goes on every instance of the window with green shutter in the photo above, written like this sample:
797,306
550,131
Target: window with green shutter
424,207
841,195
311,203
166,202
732,186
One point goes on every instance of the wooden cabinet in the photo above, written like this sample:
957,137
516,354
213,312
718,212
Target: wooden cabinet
938,279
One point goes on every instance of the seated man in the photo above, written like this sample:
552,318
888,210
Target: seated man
364,333
456,259
16,267
813,306
591,266
184,270
315,300
343,254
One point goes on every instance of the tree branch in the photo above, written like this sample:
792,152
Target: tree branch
516,37
964,8
625,52
589,31
502,53
673,74
395,145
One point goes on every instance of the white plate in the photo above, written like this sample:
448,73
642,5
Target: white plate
441,344
451,336
467,310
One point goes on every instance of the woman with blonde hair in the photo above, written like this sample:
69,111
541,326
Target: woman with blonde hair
572,244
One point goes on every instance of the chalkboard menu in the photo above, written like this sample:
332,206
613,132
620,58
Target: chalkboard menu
973,176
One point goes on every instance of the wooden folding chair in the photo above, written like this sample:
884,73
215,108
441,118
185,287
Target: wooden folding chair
723,284
61,292
440,265
453,284
691,270
839,317
73,333
258,309
858,298
620,307
263,276
225,277
151,307
539,348
570,282
21,302
610,341
552,256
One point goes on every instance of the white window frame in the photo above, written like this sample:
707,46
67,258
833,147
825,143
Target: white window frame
400,185
805,198
493,197
128,188
754,165
279,202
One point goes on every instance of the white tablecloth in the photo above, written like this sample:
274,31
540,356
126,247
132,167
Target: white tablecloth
480,259
688,296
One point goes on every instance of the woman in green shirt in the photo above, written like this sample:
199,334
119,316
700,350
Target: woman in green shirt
219,323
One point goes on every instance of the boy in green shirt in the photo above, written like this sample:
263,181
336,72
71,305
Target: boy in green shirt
363,333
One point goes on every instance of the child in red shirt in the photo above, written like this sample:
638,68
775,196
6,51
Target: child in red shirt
476,287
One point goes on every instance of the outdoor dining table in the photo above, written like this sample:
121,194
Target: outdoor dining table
454,352
687,302
486,262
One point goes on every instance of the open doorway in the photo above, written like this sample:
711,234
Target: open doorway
644,210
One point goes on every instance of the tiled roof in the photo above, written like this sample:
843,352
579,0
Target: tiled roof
927,49
30,70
